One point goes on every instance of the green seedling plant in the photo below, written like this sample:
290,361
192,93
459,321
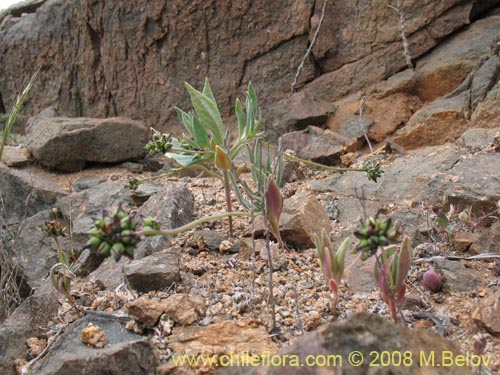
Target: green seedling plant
207,143
392,263
332,262
11,119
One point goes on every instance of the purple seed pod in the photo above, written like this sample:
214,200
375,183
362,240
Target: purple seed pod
433,280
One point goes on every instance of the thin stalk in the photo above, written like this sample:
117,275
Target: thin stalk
271,270
314,164
227,190
188,226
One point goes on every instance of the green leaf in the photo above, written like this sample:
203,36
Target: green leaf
182,160
208,113
200,134
186,119
207,91
241,118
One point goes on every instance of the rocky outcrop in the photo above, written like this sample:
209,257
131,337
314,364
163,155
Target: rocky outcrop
105,59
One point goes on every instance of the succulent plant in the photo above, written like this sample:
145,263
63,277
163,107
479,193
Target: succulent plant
115,233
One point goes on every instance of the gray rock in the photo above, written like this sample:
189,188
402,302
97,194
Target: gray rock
316,144
303,216
210,239
458,278
145,191
28,320
475,184
16,186
124,352
68,143
155,272
488,313
484,79
87,182
365,334
477,138
172,207
15,157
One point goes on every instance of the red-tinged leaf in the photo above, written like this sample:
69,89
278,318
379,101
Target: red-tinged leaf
403,263
274,208
333,286
222,161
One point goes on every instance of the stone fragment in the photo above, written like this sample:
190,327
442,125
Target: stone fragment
17,185
93,336
87,182
303,216
441,121
458,278
173,207
446,67
183,309
488,313
487,112
462,241
68,143
316,144
207,239
154,272
15,157
146,310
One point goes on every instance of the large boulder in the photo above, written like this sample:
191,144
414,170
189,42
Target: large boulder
68,143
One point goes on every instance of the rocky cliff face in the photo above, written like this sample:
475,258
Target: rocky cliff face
103,59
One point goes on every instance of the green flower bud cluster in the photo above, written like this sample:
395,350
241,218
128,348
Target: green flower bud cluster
160,143
373,170
374,234
114,233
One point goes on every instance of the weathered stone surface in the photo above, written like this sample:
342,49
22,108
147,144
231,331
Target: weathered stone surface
185,310
358,45
488,313
366,334
477,138
208,239
323,146
487,112
441,121
446,67
484,79
488,241
124,352
458,278
28,320
387,112
172,207
87,182
68,143
15,157
298,112
224,337
129,59
154,272
16,185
